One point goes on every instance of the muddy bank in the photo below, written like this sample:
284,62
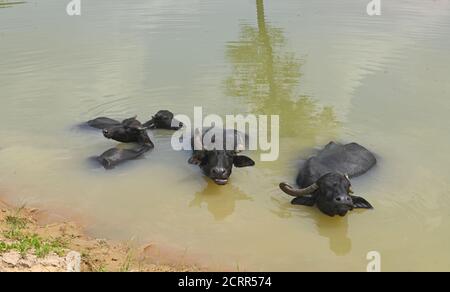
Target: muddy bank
28,244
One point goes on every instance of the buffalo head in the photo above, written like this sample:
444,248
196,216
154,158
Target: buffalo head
331,193
218,164
163,119
129,131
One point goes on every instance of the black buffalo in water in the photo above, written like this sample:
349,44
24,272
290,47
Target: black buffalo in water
163,120
215,163
129,131
324,179
115,156
103,123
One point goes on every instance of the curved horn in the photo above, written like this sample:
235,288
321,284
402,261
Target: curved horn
350,191
288,189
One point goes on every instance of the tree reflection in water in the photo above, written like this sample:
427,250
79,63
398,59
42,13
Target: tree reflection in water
7,4
267,77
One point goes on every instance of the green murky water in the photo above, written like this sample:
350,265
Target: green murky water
330,71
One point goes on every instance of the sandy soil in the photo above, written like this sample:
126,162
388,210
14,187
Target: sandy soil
66,240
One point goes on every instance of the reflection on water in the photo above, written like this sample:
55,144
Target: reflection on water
6,4
267,75
335,231
220,201
328,70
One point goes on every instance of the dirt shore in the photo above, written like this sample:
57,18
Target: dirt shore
26,244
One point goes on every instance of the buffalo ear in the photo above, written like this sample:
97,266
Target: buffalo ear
197,158
194,160
242,161
129,121
307,200
360,203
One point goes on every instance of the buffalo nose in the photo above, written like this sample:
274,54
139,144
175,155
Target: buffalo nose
345,200
219,171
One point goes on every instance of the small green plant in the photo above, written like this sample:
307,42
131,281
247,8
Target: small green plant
126,265
101,269
87,259
16,222
3,247
24,242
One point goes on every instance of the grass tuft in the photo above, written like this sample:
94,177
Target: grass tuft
23,242
126,265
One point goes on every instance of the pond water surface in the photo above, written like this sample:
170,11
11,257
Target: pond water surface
328,69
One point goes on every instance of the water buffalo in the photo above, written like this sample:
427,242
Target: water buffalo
115,156
129,131
103,123
163,120
217,163
324,179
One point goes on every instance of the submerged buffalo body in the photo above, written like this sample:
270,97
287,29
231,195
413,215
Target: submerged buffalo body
324,179
131,131
217,162
163,119
127,131
115,156
103,123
